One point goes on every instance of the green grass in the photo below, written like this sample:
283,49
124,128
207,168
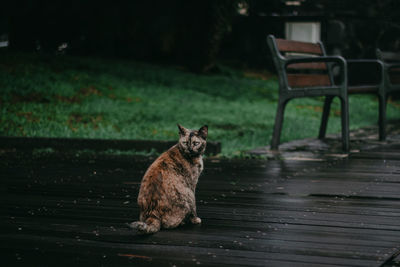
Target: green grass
62,96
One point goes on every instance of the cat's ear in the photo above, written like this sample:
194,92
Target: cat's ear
182,130
203,132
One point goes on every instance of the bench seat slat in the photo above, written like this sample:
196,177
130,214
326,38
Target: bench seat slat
308,80
363,89
394,75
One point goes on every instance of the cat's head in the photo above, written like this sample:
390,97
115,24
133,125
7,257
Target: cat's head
192,142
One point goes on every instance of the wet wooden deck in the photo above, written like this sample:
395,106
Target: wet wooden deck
69,210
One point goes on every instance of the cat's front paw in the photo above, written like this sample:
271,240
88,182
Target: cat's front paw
195,220
140,226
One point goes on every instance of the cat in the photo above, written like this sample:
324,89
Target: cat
167,191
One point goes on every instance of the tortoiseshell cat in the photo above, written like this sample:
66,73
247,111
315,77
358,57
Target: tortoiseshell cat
167,192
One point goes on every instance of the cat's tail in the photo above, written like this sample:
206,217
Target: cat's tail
150,226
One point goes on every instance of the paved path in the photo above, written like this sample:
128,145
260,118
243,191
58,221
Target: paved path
66,209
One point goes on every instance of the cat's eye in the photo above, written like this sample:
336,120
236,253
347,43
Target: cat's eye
185,143
196,143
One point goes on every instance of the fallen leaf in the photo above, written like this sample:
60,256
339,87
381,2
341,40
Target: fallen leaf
135,256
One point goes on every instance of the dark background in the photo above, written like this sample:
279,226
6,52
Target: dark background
196,34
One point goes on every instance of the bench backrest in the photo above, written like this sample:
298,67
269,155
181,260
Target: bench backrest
300,74
388,56
391,58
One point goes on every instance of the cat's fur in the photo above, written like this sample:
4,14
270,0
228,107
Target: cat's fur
167,192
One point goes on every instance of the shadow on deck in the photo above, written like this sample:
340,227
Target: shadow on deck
65,209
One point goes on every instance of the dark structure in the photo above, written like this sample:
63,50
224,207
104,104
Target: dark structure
353,29
177,31
195,33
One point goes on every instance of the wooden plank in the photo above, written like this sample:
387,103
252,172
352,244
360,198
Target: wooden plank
250,242
174,253
308,66
394,76
363,89
65,144
267,240
308,80
318,215
299,47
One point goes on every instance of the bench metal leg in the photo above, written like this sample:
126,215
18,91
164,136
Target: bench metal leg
345,123
276,135
382,117
325,117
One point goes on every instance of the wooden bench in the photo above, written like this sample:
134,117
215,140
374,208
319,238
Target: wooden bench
304,70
